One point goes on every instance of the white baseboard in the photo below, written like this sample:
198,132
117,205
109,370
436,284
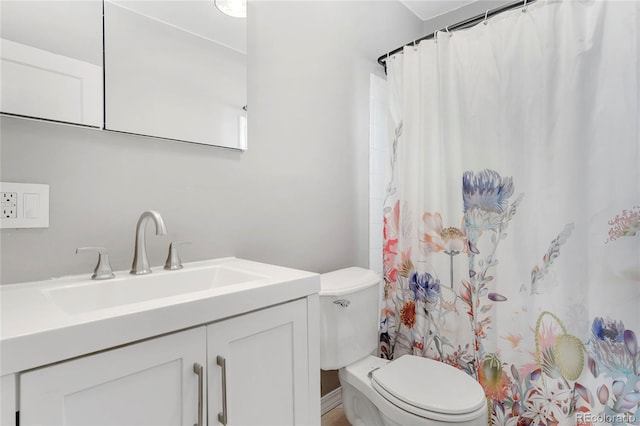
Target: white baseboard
330,401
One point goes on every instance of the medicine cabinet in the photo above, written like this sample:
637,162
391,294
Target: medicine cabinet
171,70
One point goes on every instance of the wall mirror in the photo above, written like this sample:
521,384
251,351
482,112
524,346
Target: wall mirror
175,70
51,60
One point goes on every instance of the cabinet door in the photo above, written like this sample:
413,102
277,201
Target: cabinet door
265,356
147,383
8,400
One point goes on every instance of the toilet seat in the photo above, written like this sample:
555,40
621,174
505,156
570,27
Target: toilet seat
424,387
359,376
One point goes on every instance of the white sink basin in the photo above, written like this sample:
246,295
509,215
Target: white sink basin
91,296
43,322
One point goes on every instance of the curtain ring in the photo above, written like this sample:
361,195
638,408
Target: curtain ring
524,7
435,36
486,14
447,30
415,47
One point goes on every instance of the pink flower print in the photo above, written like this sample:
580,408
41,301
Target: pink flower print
438,238
625,225
390,248
389,259
514,339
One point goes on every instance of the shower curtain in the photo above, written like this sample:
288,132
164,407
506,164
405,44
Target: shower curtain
512,210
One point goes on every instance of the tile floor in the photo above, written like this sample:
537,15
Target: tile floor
335,417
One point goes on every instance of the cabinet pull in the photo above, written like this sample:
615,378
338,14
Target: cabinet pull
222,417
199,370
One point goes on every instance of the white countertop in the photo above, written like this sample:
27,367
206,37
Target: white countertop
35,330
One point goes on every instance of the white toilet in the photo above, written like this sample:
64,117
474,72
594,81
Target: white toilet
407,391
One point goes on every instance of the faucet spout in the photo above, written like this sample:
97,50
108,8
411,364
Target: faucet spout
140,259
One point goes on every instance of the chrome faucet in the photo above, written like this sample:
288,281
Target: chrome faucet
140,260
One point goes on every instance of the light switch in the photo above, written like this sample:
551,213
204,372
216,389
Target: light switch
31,205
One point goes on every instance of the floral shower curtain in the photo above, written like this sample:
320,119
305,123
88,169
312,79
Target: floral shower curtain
512,213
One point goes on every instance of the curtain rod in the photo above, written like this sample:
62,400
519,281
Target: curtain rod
382,60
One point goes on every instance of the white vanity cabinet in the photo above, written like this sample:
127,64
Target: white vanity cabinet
257,364
221,341
147,383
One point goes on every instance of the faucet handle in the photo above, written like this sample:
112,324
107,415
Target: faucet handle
103,268
173,260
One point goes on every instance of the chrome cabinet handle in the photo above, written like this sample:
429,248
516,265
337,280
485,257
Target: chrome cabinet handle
222,417
199,370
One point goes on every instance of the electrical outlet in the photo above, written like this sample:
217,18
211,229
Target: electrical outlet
9,205
24,205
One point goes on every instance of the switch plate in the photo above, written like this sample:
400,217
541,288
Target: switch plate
24,205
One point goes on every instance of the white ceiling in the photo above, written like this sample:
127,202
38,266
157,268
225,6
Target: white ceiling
427,9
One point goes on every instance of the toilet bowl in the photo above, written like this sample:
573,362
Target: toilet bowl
406,391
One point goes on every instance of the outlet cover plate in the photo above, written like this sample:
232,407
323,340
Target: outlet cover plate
28,207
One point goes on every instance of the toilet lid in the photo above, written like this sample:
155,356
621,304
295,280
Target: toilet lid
347,281
416,384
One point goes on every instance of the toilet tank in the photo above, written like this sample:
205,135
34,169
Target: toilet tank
349,316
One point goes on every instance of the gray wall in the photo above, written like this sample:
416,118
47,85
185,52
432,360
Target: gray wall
298,197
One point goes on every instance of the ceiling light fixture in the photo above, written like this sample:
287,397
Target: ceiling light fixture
235,8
